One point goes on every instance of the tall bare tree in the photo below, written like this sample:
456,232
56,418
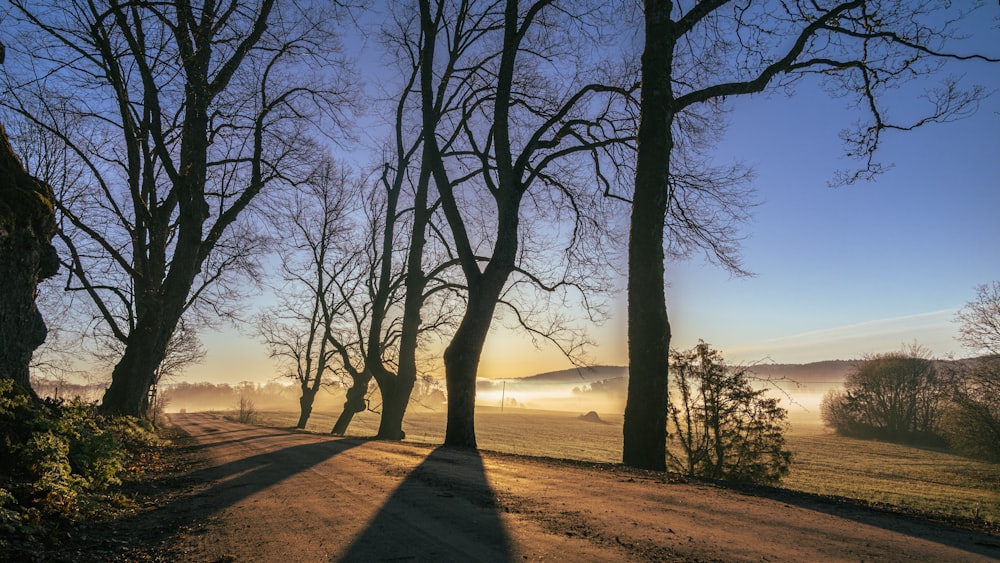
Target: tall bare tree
389,324
182,114
979,320
973,421
318,259
701,53
522,126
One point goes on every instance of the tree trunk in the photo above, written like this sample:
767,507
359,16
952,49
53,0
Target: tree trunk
305,407
645,429
27,224
461,363
396,390
354,404
135,373
395,398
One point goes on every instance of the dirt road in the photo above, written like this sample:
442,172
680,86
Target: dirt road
268,495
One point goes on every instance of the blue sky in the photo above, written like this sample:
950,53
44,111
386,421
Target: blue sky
840,272
871,265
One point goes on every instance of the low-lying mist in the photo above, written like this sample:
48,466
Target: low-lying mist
603,396
601,389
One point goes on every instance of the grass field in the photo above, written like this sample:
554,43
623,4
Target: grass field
917,479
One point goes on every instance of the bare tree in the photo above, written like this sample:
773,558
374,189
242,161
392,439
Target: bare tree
313,225
979,320
370,299
699,53
972,422
387,320
179,115
510,138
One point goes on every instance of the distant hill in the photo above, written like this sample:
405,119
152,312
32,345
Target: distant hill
587,374
825,372
830,371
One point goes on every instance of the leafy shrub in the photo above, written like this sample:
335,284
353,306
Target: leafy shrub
57,458
726,429
53,486
95,450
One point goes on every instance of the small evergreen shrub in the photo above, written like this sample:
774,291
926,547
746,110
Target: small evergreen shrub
722,426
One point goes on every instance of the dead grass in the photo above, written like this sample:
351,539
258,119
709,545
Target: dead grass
917,479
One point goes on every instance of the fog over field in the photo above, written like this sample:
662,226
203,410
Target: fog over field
595,388
603,388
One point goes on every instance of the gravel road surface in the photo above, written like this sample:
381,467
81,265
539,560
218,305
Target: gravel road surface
263,494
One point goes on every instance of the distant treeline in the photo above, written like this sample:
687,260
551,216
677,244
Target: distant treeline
907,397
223,396
203,396
57,389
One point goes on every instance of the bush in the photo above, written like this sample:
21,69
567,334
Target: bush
896,397
248,413
726,429
57,458
971,421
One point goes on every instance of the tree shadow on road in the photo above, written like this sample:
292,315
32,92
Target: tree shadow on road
445,510
152,535
237,480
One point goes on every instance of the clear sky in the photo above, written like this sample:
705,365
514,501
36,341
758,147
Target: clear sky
840,272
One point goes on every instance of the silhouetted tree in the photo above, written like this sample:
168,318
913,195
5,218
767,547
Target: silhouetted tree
409,290
979,320
318,258
523,124
972,421
178,114
700,53
897,396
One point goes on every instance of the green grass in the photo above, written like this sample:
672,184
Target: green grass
878,472
918,479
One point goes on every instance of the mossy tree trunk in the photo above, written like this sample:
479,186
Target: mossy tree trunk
27,224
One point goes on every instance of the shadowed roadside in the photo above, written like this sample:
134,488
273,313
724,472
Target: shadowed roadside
147,534
898,522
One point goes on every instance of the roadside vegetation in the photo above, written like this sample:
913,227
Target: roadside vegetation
722,427
61,462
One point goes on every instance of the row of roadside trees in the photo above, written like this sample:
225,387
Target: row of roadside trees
173,132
